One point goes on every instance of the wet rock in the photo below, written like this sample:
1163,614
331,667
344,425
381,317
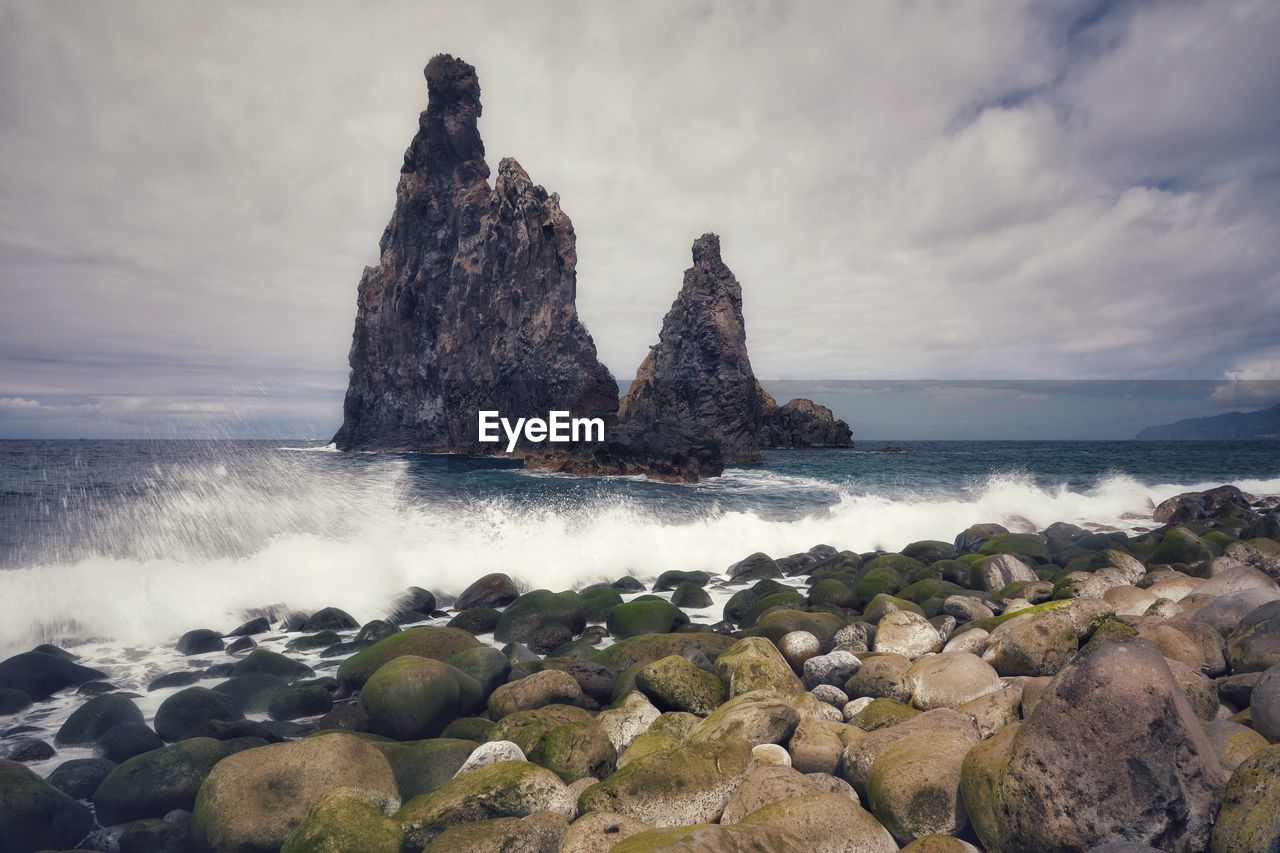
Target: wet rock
201,641
540,609
122,742
35,815
690,596
29,750
644,616
477,620
169,834
260,625
1213,505
754,663
192,713
184,678
488,666
264,662
424,765
12,700
1254,644
155,783
80,777
40,675
294,703
241,645
253,800
95,718
492,590
415,604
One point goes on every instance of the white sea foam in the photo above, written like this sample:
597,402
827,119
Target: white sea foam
218,546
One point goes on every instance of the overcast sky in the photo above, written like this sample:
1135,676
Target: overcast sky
1063,189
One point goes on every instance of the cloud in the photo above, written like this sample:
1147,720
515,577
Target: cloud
925,190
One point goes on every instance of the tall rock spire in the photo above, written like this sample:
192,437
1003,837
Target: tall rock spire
699,373
471,305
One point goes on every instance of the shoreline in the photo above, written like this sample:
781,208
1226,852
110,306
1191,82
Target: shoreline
836,648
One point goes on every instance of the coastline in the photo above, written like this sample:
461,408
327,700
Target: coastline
800,663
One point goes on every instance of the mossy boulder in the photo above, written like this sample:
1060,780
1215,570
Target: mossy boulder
690,785
827,822
930,551
755,567
1254,644
914,786
488,666
428,641
776,625
735,609
503,789
424,765
785,600
40,674
598,600
878,580
1019,544
692,596
1180,545
754,663
534,611
538,833
833,593
253,800
410,698
566,740
675,684
644,616
157,782
345,821
761,716
34,815
1250,816
651,647
673,578
882,713
264,662
548,687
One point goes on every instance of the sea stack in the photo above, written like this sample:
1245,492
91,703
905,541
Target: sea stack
471,306
699,373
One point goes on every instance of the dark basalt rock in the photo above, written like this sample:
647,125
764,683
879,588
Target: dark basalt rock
257,625
80,777
123,742
1213,505
30,750
200,641
40,675
699,373
664,450
37,816
492,590
96,717
471,305
330,619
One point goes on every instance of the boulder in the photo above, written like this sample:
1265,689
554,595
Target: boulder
201,641
834,669
1213,505
1250,815
861,755
914,784
1039,643
253,800
503,789
690,596
251,694
413,697
753,568
765,784
294,703
264,662
168,834
1254,644
123,742
1181,546
155,783
631,717
35,815
39,675
1225,612
754,663
540,609
427,641
998,571
564,739
492,590
549,687
345,820
675,684
644,616
908,634
827,823
542,832
423,765
760,716
1115,712
1233,743
881,675
711,838
1264,703
815,747
80,777
949,680
688,786
599,832
96,717
651,647
192,713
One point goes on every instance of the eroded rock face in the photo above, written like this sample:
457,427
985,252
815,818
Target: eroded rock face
699,373
471,305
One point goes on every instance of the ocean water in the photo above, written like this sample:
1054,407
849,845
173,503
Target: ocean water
131,543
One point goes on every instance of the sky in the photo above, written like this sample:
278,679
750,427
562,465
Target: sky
995,189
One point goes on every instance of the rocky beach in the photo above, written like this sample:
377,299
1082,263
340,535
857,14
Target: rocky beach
1069,689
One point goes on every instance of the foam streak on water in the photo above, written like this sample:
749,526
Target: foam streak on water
202,542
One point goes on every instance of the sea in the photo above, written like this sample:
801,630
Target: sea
138,541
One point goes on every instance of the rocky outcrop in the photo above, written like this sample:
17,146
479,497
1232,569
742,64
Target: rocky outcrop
471,305
699,373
